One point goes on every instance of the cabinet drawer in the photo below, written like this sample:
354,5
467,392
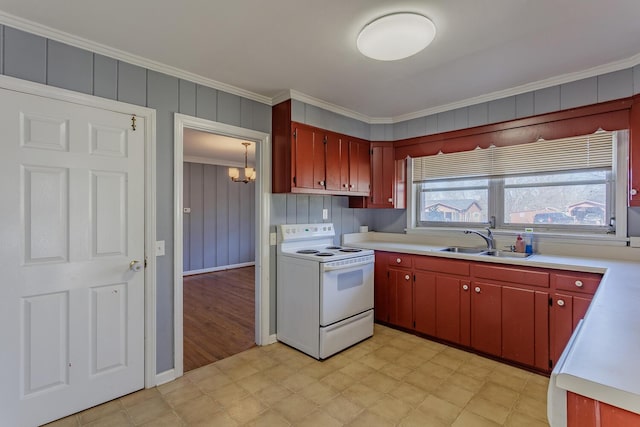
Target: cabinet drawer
578,282
441,265
400,260
521,276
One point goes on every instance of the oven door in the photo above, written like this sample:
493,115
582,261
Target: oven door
345,290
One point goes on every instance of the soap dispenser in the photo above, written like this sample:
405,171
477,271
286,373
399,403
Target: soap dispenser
519,244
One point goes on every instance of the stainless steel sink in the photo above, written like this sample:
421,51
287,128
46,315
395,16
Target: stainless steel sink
463,250
505,254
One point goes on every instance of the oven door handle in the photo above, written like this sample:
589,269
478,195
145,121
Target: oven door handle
326,267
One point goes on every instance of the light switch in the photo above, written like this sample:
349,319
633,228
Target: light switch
160,248
325,213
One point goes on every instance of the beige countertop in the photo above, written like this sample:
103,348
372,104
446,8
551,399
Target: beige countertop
602,360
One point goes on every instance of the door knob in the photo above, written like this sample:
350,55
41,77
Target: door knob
135,265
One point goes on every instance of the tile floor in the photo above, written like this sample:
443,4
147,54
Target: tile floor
391,379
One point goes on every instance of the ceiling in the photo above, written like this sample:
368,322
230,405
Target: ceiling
216,149
481,46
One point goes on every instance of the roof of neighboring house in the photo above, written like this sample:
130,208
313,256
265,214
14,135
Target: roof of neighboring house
586,203
457,204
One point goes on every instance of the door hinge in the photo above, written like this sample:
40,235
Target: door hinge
133,122
145,262
550,302
295,133
550,363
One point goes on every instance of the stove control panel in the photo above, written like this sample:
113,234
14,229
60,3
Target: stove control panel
306,231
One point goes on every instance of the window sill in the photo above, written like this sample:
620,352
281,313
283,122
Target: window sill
595,239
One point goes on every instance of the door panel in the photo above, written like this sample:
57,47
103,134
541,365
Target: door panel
518,325
425,302
448,308
72,311
486,318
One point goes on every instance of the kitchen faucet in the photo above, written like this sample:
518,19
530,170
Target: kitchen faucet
491,244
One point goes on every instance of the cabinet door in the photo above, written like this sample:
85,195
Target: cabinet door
519,324
448,312
309,158
401,298
381,288
486,318
566,312
359,166
634,155
382,175
424,293
337,163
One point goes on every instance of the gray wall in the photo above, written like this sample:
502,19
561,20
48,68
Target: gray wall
220,230
30,57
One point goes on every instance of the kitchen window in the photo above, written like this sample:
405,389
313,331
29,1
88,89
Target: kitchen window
565,185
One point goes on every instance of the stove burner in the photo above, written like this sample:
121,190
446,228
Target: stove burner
333,247
350,250
307,251
324,254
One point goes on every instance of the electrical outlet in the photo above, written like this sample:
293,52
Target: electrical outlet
325,213
160,248
272,239
186,210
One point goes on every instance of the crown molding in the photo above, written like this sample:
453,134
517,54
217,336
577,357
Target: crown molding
94,47
529,87
70,39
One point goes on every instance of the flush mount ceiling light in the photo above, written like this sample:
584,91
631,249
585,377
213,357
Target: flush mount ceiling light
396,36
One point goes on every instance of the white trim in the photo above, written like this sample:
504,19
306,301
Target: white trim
149,116
82,43
263,209
529,87
221,268
165,377
271,339
212,161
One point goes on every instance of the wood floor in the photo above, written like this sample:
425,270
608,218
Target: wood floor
218,315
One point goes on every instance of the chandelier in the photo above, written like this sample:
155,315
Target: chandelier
249,173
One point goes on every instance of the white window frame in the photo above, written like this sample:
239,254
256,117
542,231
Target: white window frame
620,170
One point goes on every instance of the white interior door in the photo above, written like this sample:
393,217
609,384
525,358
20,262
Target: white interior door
71,222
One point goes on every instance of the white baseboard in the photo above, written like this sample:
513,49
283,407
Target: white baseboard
222,268
165,377
270,340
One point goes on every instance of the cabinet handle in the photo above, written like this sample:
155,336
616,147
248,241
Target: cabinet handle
351,185
407,277
465,287
477,289
561,302
321,182
398,260
579,283
344,185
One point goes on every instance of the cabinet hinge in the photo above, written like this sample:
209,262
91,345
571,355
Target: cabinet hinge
550,302
414,323
295,133
414,277
145,262
324,140
294,181
550,363
371,151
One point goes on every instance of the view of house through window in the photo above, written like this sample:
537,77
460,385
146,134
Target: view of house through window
575,196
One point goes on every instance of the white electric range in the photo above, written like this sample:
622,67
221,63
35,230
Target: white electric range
324,291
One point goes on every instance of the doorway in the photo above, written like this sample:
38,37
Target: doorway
185,124
218,247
